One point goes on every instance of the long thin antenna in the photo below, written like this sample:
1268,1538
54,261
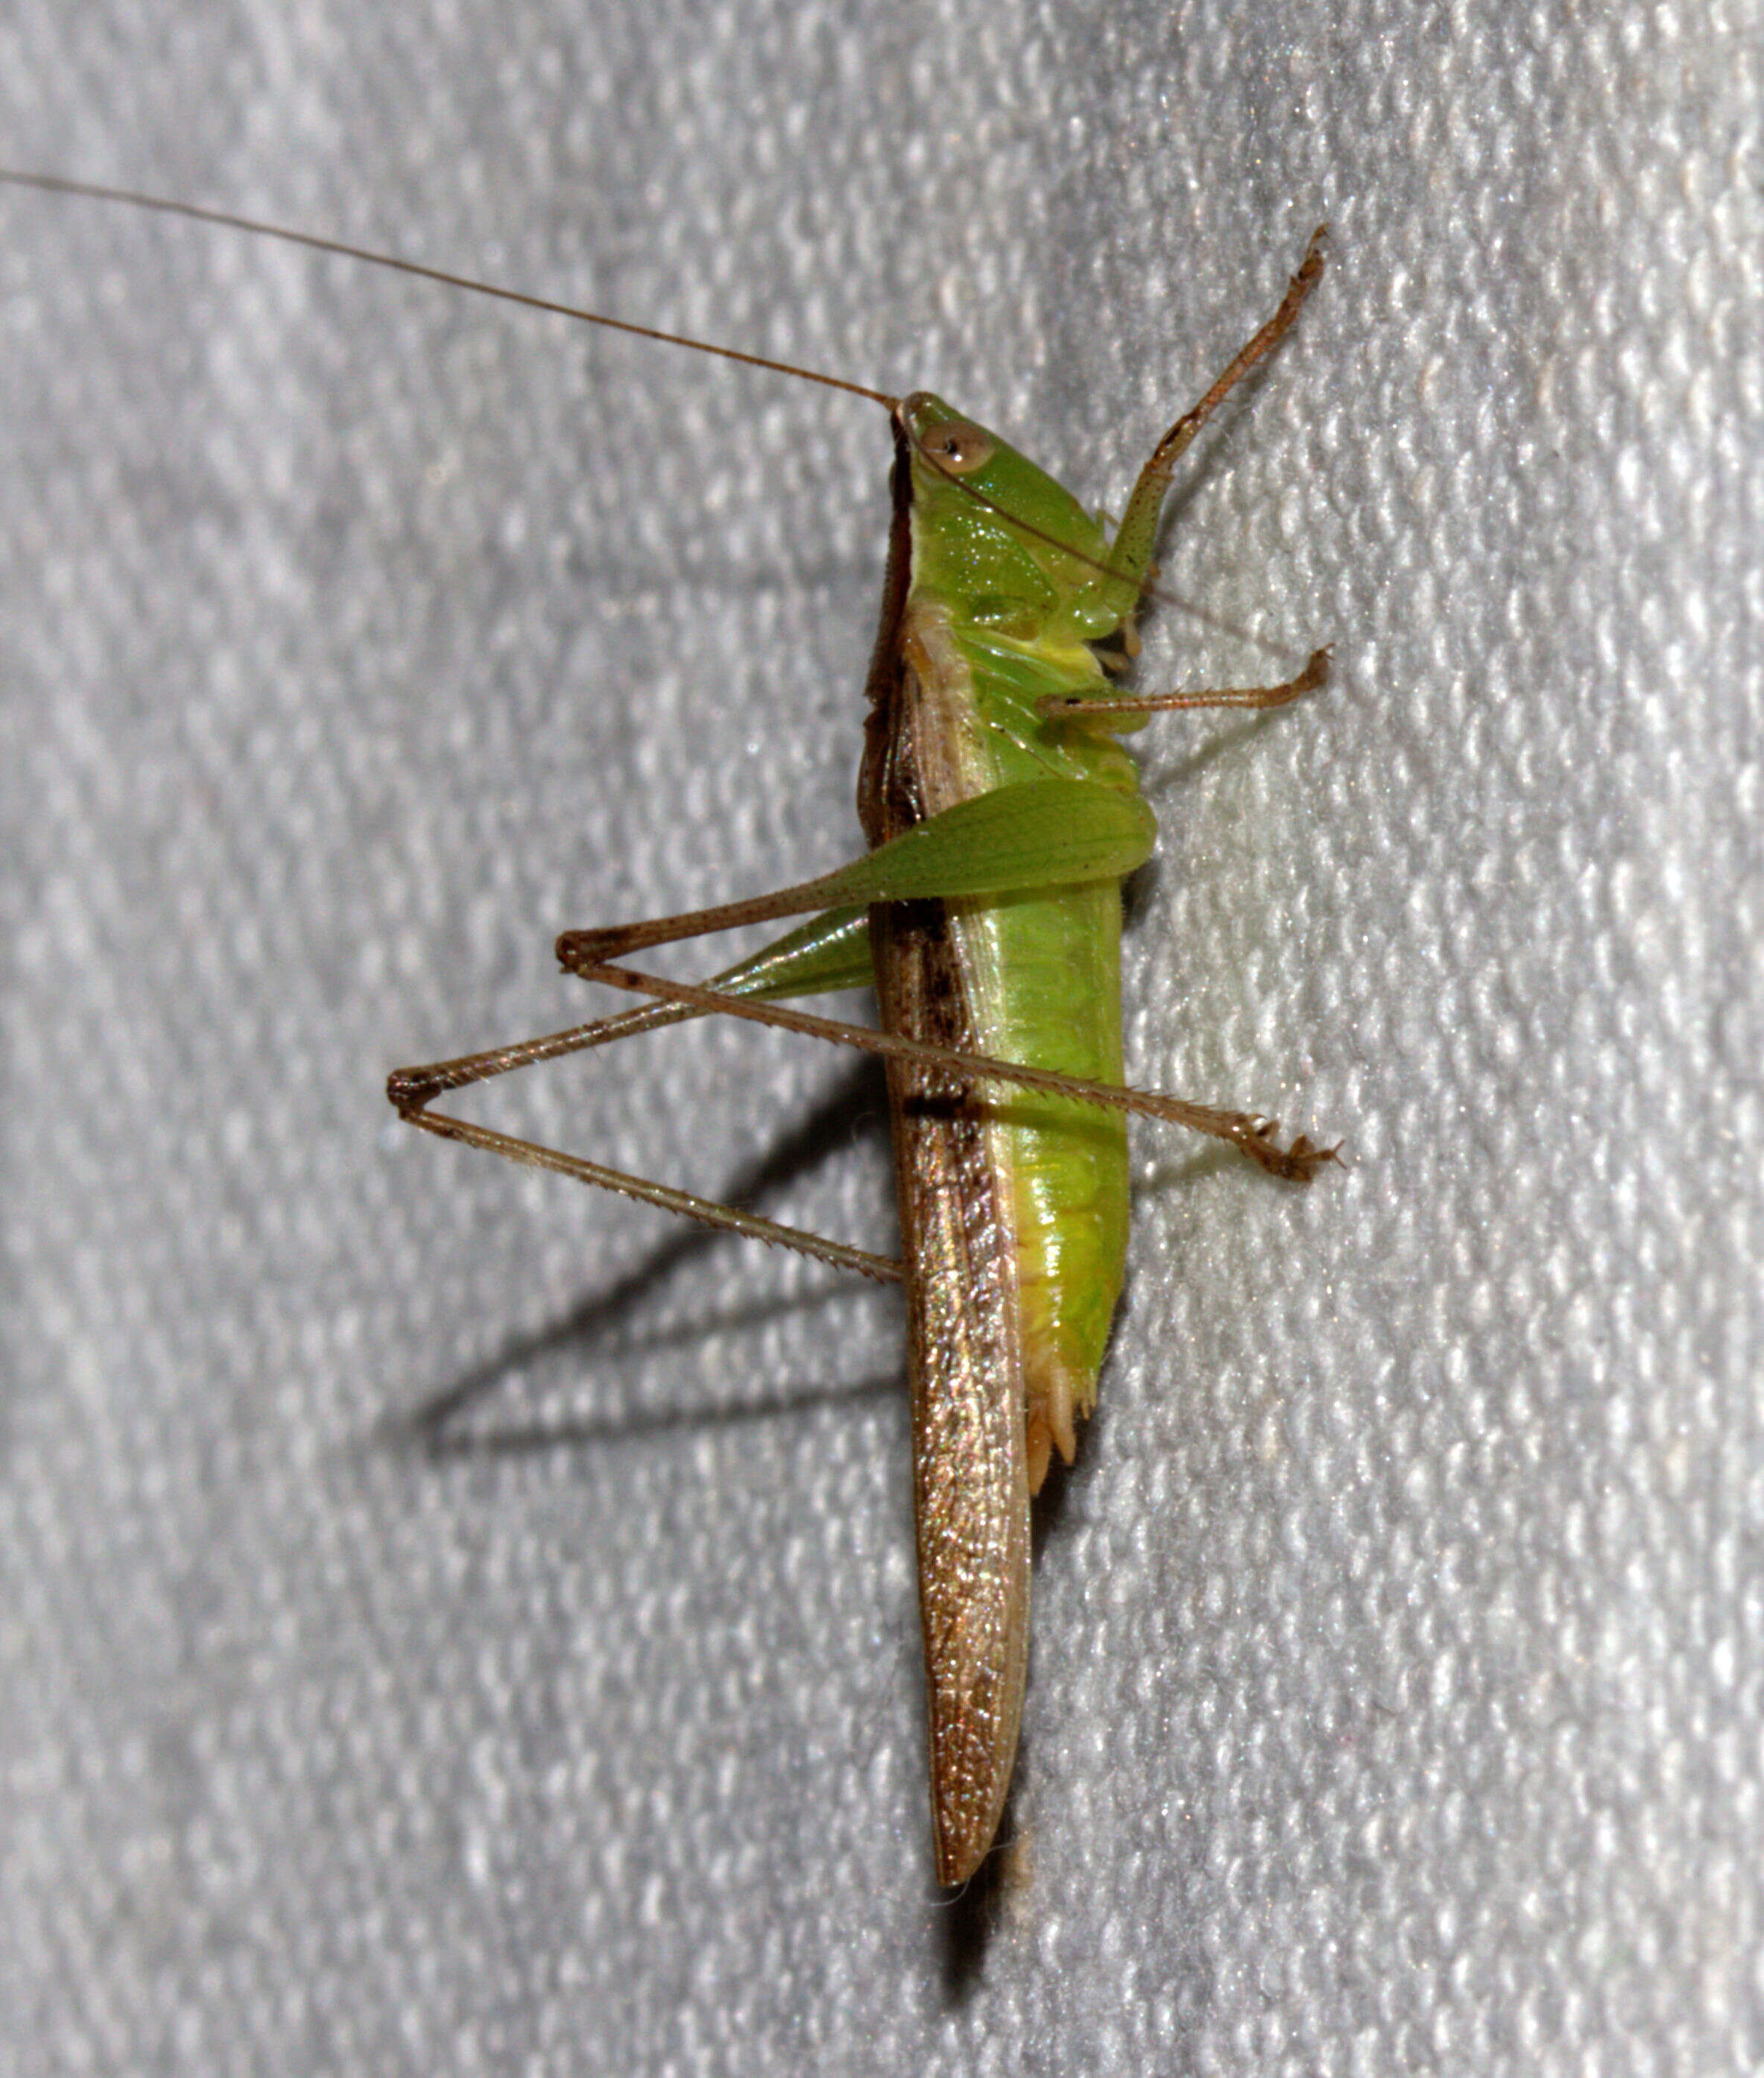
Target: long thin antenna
1176,439
91,191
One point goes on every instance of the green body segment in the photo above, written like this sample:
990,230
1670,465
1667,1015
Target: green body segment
1010,582
991,567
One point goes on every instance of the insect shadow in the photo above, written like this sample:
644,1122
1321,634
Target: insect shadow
450,1423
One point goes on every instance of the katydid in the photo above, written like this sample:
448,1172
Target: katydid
1003,814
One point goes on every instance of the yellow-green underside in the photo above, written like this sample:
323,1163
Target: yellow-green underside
1045,989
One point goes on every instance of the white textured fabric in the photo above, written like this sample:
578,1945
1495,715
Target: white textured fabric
1397,1683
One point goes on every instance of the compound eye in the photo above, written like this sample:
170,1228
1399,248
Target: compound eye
955,447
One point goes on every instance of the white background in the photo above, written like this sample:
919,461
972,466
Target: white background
1396,1690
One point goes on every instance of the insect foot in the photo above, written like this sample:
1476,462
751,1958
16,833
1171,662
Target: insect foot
1296,1164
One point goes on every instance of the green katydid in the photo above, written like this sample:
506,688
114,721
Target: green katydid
1003,814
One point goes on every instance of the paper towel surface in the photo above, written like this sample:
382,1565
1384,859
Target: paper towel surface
1396,1678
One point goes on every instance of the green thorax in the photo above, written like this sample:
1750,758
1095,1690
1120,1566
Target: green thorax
1020,574
1009,547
